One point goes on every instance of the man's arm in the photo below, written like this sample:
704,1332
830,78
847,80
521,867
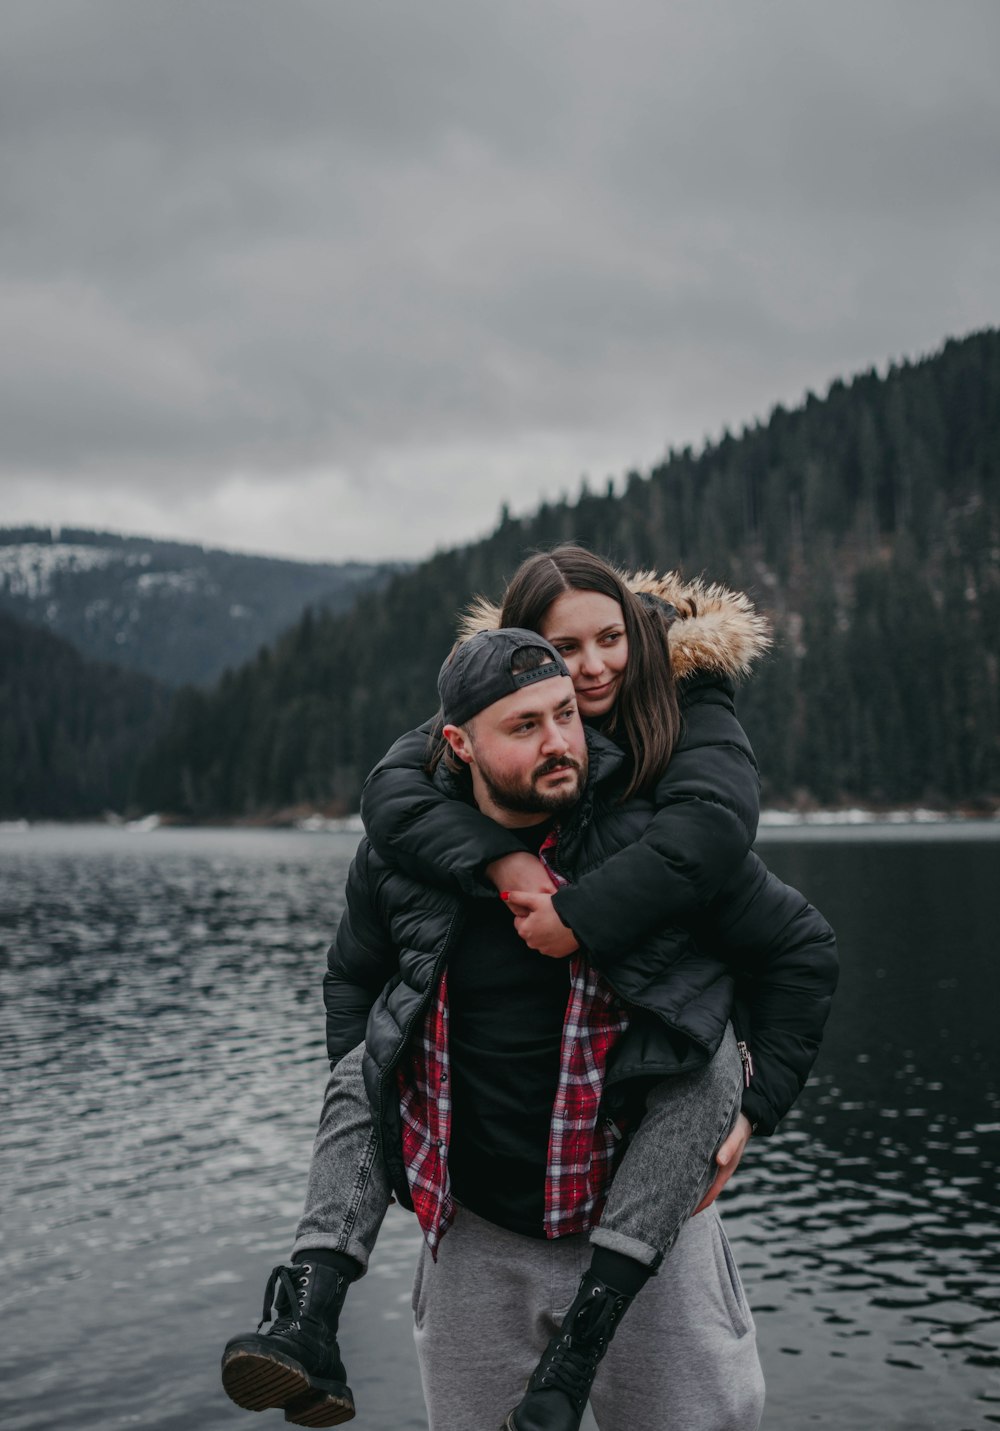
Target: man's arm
784,956
787,975
787,1003
360,961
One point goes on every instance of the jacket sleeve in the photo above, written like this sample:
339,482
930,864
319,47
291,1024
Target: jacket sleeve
422,831
360,961
707,805
784,955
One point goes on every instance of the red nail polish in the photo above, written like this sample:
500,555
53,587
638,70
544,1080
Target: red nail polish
505,894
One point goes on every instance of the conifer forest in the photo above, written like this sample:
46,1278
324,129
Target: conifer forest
865,523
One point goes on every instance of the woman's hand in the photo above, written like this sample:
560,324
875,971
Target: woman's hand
520,871
536,921
728,1160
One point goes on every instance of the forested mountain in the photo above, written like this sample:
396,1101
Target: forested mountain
179,612
70,730
865,522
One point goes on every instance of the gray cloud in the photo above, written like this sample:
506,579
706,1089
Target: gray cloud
341,278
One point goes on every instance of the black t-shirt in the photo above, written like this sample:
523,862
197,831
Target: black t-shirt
506,1006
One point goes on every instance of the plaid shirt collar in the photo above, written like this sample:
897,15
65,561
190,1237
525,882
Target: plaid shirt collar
582,1146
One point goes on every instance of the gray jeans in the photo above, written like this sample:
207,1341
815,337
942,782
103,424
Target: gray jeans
665,1171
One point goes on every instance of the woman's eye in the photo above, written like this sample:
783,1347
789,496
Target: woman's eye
610,637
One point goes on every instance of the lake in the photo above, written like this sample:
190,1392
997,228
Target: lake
162,1060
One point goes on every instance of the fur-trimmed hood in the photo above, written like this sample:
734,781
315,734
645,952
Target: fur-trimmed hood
716,629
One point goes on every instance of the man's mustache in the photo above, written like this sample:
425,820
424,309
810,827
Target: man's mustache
558,762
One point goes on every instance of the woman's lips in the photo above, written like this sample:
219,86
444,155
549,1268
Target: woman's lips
594,693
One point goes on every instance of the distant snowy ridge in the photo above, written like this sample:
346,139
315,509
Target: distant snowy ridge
28,569
179,612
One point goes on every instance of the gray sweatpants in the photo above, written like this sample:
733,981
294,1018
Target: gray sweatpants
661,1179
684,1358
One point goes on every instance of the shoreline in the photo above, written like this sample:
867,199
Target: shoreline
772,818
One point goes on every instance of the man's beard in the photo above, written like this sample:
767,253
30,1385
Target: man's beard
522,797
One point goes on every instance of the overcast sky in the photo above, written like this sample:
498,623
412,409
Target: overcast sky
334,278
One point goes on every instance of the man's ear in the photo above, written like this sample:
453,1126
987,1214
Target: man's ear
459,741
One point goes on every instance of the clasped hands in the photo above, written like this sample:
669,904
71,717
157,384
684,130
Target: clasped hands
526,886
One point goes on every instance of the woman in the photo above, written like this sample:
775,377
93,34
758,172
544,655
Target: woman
654,663
615,639
683,744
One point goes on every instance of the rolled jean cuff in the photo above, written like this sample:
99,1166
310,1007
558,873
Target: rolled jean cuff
650,1257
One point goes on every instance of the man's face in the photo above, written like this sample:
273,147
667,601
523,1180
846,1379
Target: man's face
526,752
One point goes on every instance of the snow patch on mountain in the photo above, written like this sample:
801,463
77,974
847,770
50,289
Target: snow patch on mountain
28,569
179,612
187,582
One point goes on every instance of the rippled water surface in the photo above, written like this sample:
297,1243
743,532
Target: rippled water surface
161,1063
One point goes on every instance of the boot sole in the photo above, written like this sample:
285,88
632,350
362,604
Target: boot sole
329,1410
259,1382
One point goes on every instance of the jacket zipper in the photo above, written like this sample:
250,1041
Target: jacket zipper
421,1009
457,920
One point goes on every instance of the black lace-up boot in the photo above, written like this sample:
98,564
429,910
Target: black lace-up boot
294,1362
560,1385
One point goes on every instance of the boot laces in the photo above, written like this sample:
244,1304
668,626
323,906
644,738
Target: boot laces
574,1357
285,1295
572,1369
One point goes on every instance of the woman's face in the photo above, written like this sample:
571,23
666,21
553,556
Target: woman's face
588,631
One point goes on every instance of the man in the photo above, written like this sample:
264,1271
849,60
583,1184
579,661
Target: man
490,1075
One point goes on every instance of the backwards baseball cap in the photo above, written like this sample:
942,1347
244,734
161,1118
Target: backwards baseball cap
479,671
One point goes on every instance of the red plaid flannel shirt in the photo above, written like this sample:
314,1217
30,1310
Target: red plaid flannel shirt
582,1148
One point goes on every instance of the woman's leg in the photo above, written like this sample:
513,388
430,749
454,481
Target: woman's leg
348,1192
669,1164
294,1362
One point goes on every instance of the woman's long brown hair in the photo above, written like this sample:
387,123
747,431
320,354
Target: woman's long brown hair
646,715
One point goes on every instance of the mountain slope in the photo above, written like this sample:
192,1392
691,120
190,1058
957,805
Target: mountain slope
175,611
867,523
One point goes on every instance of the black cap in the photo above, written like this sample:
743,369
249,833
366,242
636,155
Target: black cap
478,672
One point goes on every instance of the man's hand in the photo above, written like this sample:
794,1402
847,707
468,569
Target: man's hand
521,871
536,921
728,1159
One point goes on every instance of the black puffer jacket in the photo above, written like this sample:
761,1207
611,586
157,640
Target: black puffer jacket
396,932
690,863
707,801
